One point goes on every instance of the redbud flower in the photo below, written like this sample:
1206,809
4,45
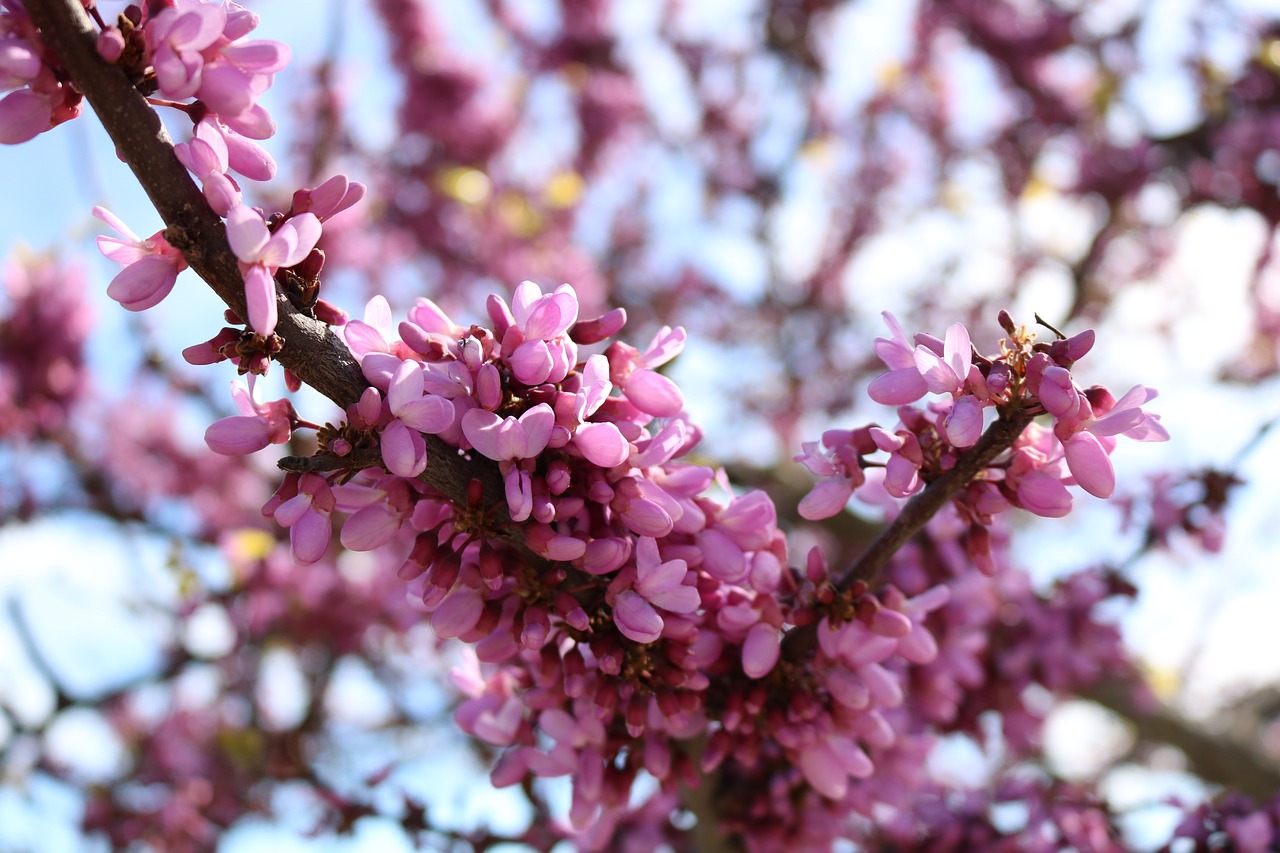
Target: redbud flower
403,448
151,266
205,156
645,388
903,383
1088,456
330,198
177,36
261,253
257,425
508,440
307,516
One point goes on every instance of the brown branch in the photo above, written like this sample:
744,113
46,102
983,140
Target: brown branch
998,438
311,350
1220,759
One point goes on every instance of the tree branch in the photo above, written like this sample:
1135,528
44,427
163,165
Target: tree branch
1219,759
998,438
311,350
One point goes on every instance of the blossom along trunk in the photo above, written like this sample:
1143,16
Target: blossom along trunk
620,617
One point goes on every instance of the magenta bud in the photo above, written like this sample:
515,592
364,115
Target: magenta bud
110,44
605,326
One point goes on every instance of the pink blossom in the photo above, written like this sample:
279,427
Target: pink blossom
544,353
656,585
601,443
903,383
257,425
403,449
177,37
330,198
307,515
760,650
151,266
507,441
24,114
205,156
830,762
645,388
1087,442
261,253
946,374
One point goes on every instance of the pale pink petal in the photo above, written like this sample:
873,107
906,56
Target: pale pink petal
1043,495
309,538
1090,465
519,492
824,772
963,424
246,232
602,444
403,450
1058,392
531,362
654,394
289,512
826,499
292,241
958,351
481,427
237,436
636,618
760,650
677,599
370,528
537,424
898,387
427,414
260,295
363,338
406,385
144,283
458,613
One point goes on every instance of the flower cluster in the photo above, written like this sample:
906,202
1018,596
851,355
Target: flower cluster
1026,377
598,653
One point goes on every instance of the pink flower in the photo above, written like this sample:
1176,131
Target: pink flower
205,156
1087,442
330,198
307,515
828,764
177,37
254,428
507,441
24,114
261,253
403,448
903,383
760,650
542,321
601,443
645,388
656,585
946,374
151,266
